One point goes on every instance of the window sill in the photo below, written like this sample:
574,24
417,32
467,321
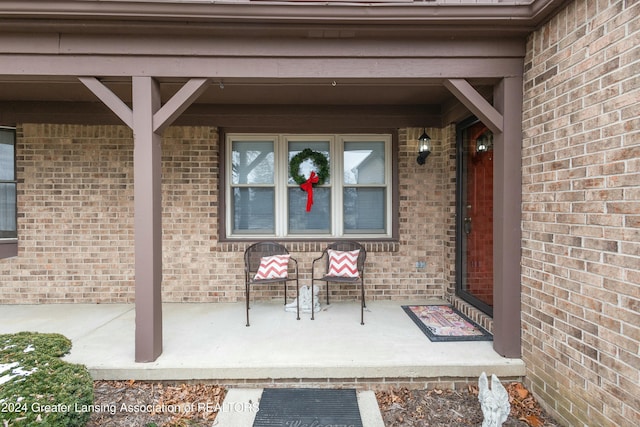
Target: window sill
382,245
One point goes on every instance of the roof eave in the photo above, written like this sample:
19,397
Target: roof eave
515,16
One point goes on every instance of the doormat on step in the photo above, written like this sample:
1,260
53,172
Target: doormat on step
445,323
289,407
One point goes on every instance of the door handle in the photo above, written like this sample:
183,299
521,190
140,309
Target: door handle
467,225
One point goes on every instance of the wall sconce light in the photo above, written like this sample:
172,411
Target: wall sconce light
424,147
484,142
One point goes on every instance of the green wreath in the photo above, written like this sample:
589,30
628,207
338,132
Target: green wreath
319,161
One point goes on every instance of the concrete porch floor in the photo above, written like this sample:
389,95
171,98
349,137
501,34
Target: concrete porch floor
211,342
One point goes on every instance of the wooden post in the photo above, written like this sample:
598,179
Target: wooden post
148,119
507,190
147,164
504,118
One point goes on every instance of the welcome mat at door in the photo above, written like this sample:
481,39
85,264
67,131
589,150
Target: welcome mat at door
445,323
299,407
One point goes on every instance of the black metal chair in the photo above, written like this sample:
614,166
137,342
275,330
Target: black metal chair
253,257
328,277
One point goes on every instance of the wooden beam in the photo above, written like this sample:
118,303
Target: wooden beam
178,103
476,103
109,99
260,67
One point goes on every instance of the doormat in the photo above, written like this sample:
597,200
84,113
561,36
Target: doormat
446,323
288,407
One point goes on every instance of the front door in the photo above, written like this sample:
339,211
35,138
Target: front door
475,216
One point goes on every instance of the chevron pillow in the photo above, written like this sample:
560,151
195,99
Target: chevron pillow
343,264
273,267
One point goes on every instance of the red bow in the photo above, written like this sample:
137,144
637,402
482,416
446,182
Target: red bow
308,187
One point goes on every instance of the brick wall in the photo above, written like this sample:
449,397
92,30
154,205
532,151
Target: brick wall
581,227
75,225
75,216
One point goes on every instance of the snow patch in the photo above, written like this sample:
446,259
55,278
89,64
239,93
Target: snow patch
15,370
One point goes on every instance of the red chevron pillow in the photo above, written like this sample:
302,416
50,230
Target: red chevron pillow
343,264
273,267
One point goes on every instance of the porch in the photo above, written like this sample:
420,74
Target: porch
330,70
210,342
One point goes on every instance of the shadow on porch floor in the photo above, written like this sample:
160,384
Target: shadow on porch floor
211,342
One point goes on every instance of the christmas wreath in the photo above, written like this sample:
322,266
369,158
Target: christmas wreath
319,161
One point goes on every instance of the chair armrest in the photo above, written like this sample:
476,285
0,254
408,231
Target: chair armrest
313,264
320,257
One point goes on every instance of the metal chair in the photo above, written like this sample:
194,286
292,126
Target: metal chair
326,277
253,256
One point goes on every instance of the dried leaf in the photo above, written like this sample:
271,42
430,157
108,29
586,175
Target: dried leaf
521,391
533,421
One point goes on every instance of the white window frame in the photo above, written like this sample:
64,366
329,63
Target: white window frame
281,175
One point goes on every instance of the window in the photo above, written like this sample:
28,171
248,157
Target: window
8,229
263,200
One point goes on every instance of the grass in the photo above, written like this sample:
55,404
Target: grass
37,388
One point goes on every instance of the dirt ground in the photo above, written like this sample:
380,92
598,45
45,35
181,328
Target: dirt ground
149,404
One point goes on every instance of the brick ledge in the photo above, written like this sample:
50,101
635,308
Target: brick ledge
316,246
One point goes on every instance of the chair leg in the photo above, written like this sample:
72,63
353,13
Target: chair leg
246,291
362,303
312,302
297,299
327,284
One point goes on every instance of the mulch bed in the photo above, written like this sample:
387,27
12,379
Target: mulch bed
153,404
444,408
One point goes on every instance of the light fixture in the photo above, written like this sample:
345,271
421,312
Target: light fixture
424,147
484,142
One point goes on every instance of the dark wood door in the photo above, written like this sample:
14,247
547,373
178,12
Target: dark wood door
477,216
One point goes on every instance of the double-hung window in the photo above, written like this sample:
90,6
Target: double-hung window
8,183
263,200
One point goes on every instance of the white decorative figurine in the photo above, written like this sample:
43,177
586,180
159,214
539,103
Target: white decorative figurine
305,300
494,401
